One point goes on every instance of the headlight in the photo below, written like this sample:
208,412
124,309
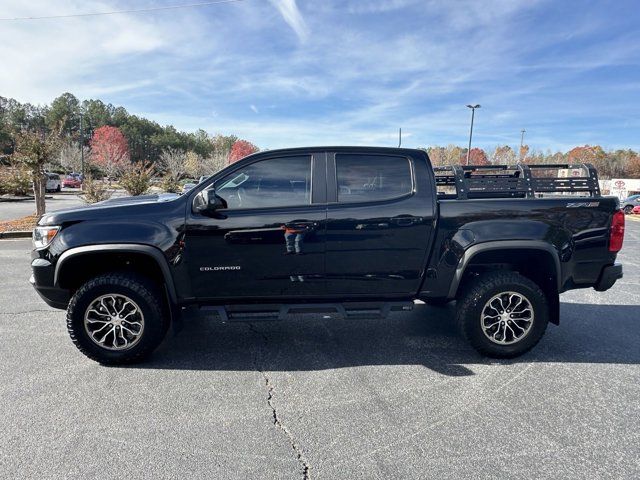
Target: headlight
42,236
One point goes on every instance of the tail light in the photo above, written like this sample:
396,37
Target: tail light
617,231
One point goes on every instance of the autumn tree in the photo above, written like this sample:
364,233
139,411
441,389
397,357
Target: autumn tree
436,155
34,150
585,154
619,162
197,166
478,157
454,155
214,163
70,156
503,155
194,165
633,167
222,144
109,150
240,149
594,155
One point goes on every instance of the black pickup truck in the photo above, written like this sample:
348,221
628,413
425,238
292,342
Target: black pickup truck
349,231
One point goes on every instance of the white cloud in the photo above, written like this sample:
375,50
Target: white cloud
43,58
357,70
291,14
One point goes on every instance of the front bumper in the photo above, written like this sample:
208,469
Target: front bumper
609,275
42,281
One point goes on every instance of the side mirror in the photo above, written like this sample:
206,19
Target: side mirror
207,202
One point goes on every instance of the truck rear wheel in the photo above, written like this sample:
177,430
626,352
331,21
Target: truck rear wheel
117,318
502,314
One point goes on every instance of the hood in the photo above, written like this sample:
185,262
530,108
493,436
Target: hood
161,197
112,207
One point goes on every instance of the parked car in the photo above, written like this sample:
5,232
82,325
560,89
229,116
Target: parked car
629,203
71,181
636,210
352,232
53,182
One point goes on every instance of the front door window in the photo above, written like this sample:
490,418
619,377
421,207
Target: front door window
276,182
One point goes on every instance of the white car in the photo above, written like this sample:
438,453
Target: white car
53,182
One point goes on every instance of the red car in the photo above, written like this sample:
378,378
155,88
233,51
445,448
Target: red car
71,182
636,210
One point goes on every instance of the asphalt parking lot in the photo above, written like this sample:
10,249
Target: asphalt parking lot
55,201
400,398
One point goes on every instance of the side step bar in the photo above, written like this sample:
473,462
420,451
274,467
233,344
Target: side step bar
349,310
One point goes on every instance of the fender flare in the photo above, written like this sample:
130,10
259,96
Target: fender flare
147,250
501,245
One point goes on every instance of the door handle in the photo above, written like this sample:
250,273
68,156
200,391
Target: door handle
405,221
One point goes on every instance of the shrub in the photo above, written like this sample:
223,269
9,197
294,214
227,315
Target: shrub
136,179
14,181
94,190
170,184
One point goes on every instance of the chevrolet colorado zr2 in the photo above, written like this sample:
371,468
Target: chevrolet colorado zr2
353,231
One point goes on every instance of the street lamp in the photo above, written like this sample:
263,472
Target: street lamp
473,112
521,142
81,146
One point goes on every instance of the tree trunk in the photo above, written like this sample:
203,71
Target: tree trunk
39,188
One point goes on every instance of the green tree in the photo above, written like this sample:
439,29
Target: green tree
64,114
201,143
96,114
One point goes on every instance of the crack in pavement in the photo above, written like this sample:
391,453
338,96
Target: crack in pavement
28,311
304,463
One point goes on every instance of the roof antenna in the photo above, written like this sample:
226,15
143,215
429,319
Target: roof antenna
400,137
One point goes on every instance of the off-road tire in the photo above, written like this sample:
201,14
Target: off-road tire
143,292
472,302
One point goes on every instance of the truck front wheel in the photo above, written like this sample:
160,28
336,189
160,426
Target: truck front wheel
502,314
117,318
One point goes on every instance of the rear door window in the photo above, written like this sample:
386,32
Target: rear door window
371,178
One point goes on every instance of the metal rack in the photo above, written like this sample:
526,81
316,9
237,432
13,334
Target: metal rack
514,181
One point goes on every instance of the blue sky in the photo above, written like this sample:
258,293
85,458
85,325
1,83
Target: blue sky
301,72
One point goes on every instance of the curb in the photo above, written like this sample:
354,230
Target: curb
18,234
16,199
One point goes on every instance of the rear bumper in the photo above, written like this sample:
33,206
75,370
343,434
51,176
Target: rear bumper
42,281
608,277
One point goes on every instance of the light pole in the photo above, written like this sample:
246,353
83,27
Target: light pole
521,141
81,148
473,112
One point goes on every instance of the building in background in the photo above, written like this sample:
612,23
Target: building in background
620,187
